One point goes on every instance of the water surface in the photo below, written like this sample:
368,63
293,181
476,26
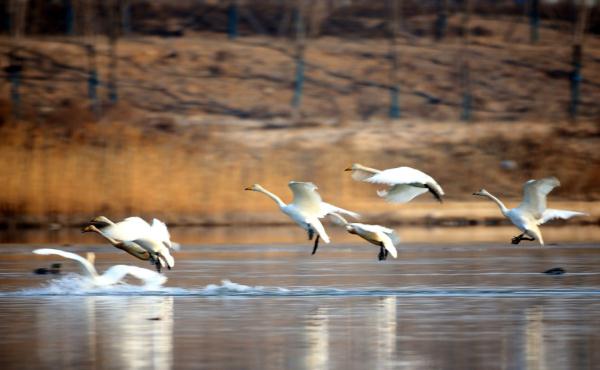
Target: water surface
273,306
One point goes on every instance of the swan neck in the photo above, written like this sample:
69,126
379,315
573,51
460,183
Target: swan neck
277,200
501,205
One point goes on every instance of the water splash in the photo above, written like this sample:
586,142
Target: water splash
77,285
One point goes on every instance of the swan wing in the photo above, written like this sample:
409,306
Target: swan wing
551,214
400,175
306,198
85,264
377,233
534,195
118,272
160,232
327,209
401,193
129,229
388,244
318,226
410,177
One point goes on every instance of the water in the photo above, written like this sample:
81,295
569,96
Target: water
273,306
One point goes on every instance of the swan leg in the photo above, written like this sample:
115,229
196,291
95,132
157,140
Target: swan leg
316,244
517,239
381,255
311,233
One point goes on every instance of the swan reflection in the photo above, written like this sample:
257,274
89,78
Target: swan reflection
116,332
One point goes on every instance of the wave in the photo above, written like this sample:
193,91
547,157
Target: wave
77,285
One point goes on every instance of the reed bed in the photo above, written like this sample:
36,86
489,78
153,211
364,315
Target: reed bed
196,175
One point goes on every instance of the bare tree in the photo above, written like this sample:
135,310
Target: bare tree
395,87
577,53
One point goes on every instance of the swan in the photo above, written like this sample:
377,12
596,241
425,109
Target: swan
532,211
138,238
385,238
306,209
405,183
111,276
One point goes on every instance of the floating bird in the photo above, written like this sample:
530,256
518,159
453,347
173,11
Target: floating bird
306,209
405,183
381,236
111,276
555,271
138,238
54,269
532,211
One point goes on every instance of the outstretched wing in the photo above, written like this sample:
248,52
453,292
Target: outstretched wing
401,193
318,226
85,264
118,273
534,195
160,232
388,244
551,214
327,208
409,178
129,229
306,198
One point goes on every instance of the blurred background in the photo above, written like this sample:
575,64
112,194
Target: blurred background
169,109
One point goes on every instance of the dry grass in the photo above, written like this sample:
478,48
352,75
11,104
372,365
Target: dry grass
196,174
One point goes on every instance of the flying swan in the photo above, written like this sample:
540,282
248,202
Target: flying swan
306,209
138,238
405,183
381,236
532,211
111,276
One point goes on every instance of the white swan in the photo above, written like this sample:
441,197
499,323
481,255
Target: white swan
405,183
111,276
532,211
385,238
306,208
137,237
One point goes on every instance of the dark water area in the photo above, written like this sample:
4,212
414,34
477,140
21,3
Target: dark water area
273,306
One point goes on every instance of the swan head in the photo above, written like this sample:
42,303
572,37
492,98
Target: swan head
89,229
482,193
100,221
355,166
255,187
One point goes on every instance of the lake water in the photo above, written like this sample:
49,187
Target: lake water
440,305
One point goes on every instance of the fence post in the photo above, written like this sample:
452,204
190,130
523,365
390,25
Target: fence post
69,16
576,57
232,19
13,71
299,57
114,9
92,79
441,21
534,21
465,75
394,112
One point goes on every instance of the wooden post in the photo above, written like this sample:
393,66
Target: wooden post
576,56
299,57
534,21
441,22
113,11
17,12
88,31
394,112
232,19
465,67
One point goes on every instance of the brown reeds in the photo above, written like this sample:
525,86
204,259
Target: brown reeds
191,175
